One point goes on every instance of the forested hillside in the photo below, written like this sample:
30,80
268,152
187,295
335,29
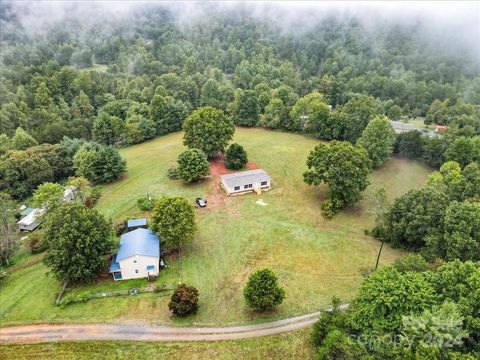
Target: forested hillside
252,68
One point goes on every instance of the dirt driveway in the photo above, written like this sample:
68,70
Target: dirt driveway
148,332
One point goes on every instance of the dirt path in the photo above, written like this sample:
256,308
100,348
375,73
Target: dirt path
147,332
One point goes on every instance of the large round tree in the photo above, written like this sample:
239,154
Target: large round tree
344,167
173,219
209,130
78,240
192,165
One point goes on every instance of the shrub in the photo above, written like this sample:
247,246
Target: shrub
36,243
328,321
159,288
262,291
145,204
172,173
338,345
184,300
235,157
120,228
411,262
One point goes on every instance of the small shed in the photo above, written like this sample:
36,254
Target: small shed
246,181
137,223
31,221
138,256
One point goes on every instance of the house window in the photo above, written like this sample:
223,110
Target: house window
134,261
263,183
248,186
136,271
236,188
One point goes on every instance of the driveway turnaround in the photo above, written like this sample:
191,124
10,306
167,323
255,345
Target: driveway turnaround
148,332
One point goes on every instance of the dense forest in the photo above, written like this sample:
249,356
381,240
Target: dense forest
120,81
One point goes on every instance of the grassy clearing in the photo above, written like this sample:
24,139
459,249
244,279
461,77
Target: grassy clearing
293,345
313,257
95,67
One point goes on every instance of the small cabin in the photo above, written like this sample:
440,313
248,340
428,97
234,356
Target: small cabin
245,182
31,221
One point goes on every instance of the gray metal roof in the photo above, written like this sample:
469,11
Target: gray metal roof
245,177
399,126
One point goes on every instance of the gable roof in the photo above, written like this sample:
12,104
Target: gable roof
245,177
31,217
26,211
138,242
137,222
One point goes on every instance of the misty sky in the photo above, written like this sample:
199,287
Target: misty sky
444,21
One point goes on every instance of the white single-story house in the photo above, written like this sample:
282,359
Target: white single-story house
138,255
31,221
245,181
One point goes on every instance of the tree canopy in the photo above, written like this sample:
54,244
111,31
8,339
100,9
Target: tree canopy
378,139
209,130
192,165
173,219
78,241
344,167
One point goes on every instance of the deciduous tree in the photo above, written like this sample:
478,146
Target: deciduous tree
209,130
378,138
344,167
184,300
173,219
78,241
192,165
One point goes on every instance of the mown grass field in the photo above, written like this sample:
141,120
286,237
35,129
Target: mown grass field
314,258
294,345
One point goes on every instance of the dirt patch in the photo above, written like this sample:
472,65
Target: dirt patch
216,197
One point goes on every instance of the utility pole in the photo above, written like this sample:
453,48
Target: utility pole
180,265
378,257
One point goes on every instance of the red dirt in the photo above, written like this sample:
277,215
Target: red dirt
216,197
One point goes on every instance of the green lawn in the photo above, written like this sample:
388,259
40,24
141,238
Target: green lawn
292,345
95,67
313,257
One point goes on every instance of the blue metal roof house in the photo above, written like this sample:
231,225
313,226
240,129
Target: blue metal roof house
138,255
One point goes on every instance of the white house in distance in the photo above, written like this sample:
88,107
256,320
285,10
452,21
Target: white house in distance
31,221
69,193
138,255
245,181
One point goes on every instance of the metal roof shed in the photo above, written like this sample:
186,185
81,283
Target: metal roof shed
137,223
